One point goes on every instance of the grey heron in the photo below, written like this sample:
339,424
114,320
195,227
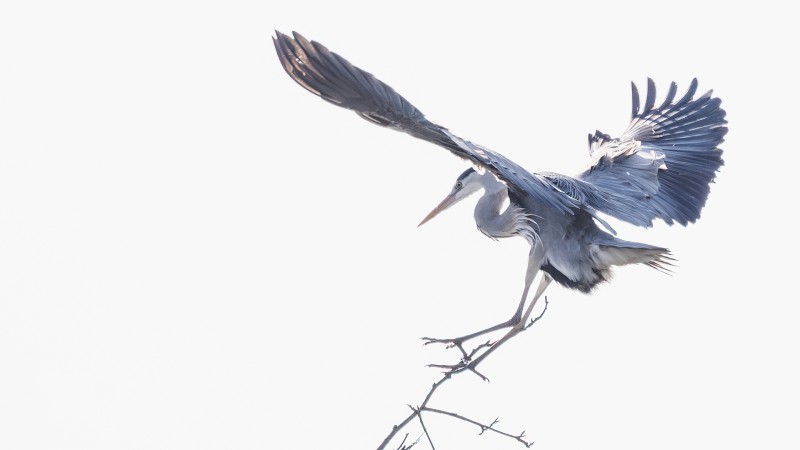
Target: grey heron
660,167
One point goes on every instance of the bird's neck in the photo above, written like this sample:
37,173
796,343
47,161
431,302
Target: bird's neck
491,202
488,216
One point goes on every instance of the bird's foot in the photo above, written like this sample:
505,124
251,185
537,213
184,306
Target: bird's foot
459,344
460,367
468,357
448,343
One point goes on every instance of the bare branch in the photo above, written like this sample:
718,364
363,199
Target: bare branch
518,437
408,447
536,319
469,364
414,413
494,422
424,429
479,348
402,445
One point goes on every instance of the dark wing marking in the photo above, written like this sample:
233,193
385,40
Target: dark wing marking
336,80
661,166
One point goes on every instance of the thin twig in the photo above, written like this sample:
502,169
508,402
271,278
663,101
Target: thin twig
478,348
424,428
483,427
402,445
413,414
536,319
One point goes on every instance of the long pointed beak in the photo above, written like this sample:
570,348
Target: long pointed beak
446,203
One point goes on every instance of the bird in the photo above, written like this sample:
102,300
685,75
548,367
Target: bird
659,168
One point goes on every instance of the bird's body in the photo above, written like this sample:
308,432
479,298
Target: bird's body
585,253
659,168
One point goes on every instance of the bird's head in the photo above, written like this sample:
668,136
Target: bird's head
466,184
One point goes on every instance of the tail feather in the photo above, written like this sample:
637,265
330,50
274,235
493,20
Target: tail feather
604,256
655,257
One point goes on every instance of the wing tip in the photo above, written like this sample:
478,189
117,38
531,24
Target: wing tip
634,100
650,100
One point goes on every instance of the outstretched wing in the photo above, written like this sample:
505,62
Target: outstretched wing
661,166
335,80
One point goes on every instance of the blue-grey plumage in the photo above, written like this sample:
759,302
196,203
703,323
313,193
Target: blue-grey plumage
659,168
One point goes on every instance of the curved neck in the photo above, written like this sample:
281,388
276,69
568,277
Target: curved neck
491,203
487,211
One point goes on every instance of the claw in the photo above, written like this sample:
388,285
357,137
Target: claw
449,343
452,368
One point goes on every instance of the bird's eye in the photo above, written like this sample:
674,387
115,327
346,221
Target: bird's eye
459,185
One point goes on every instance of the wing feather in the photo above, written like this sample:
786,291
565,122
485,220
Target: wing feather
333,78
661,167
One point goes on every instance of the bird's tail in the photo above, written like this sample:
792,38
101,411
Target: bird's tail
613,251
656,257
607,251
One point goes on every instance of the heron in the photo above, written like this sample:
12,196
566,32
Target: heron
659,168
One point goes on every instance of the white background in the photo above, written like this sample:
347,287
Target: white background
195,253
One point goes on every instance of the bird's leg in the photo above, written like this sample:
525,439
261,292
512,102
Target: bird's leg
543,283
535,259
